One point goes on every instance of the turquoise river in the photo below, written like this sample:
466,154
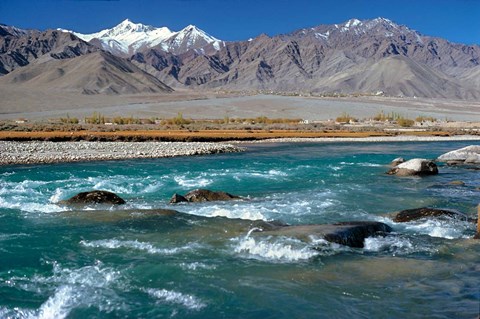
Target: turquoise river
129,262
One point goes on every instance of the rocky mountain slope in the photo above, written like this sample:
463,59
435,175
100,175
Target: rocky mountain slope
20,47
357,56
56,60
94,73
369,57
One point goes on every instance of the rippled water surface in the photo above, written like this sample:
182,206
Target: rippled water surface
132,262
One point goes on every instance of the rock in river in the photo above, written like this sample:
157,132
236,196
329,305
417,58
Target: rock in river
351,234
415,167
94,197
397,161
177,198
424,212
466,155
202,195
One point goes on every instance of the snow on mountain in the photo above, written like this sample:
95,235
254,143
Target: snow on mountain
380,27
11,30
188,38
128,37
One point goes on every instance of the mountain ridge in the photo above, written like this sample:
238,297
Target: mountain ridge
96,73
313,59
356,56
128,37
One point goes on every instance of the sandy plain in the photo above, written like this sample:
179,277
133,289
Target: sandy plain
40,105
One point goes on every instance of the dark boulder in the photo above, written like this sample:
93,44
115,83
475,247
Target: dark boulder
202,195
94,197
425,212
351,234
176,198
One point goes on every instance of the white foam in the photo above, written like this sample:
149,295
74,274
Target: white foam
272,174
121,184
114,187
75,288
7,174
448,228
369,165
88,276
134,244
59,305
325,248
248,213
193,182
24,187
377,244
16,313
334,168
30,207
197,265
57,195
286,250
189,301
275,172
152,188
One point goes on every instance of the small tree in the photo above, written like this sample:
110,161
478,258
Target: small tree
404,122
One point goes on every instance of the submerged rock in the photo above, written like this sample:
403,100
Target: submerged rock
94,197
424,212
350,234
466,155
457,183
415,167
176,198
202,195
205,195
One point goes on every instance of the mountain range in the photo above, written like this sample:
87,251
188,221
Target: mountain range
127,38
374,56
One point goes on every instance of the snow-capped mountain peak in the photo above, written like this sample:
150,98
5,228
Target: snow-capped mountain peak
188,38
375,26
195,33
352,23
356,29
127,26
128,37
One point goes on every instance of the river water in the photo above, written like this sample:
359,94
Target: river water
134,262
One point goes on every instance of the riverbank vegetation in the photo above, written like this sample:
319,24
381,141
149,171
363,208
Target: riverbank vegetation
178,128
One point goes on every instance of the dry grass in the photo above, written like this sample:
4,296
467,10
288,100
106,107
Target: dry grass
203,135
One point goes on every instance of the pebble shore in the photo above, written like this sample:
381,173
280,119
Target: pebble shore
36,152
400,138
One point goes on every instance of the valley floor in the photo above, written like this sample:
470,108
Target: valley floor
42,105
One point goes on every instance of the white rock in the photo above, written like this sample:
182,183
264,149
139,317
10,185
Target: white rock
416,166
472,153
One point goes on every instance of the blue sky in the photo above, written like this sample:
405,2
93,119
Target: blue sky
454,20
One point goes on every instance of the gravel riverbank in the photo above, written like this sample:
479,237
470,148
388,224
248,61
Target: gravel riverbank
400,138
37,152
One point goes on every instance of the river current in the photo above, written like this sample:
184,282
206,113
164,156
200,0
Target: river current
127,262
